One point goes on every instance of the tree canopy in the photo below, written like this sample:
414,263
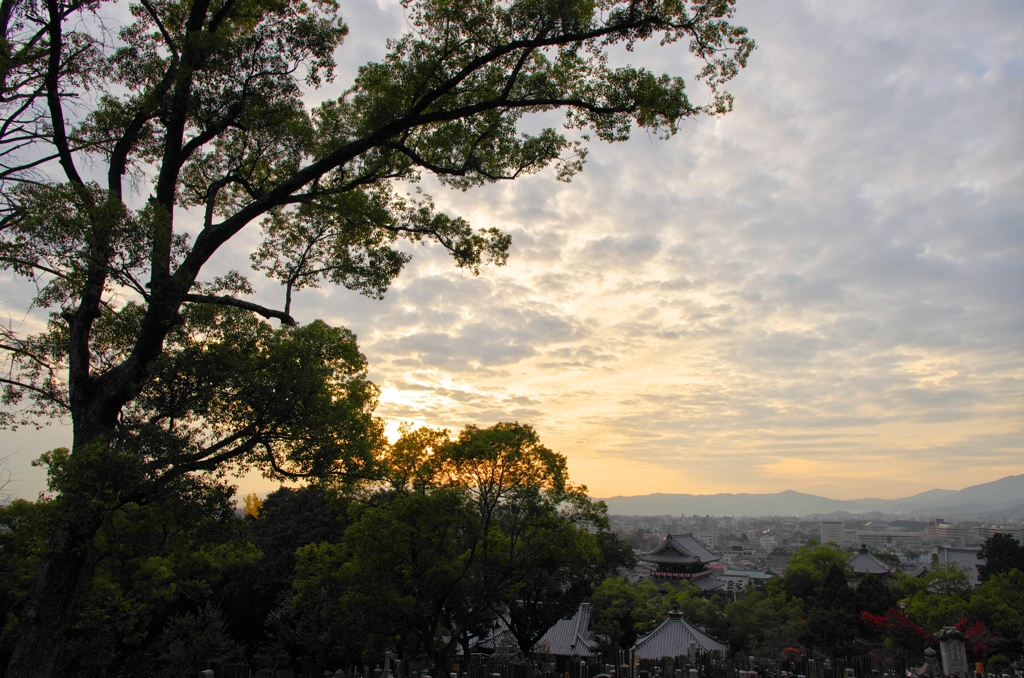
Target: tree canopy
492,528
1000,553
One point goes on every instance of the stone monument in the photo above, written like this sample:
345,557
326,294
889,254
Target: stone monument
954,654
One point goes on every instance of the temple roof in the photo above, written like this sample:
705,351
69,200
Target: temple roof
569,637
865,563
680,549
672,639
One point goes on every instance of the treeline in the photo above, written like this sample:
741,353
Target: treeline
450,535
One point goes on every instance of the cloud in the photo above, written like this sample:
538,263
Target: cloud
822,290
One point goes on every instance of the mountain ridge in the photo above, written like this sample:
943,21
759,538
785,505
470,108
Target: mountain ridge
1004,494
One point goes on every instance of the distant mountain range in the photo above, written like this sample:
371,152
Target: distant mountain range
1003,498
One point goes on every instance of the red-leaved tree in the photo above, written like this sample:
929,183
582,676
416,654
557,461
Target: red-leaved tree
899,631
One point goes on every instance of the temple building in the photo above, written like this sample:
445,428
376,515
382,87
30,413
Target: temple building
866,563
569,637
680,556
676,637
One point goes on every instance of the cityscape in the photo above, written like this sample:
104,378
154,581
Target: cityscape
751,546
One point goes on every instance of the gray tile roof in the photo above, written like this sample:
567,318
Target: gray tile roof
711,583
672,639
569,637
680,548
865,563
752,574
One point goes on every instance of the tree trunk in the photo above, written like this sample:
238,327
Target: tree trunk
45,621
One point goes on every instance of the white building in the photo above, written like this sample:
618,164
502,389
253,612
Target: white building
834,532
966,559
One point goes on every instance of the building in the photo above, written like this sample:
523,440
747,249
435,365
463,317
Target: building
741,579
676,637
865,563
569,637
680,556
769,542
941,532
710,538
834,532
986,531
880,538
966,559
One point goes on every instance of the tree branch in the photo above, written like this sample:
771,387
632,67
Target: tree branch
49,395
240,303
60,137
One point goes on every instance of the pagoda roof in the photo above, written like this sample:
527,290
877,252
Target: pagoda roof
680,549
672,639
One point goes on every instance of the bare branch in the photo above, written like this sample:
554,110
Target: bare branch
240,303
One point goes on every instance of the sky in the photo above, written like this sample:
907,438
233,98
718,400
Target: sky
821,291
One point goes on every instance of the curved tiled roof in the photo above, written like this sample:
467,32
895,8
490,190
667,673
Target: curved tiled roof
672,639
680,549
569,637
865,563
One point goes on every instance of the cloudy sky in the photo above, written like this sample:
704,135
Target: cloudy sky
821,291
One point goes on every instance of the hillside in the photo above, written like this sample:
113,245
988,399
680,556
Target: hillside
999,498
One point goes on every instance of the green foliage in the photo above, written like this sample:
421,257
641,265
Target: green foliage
188,644
769,620
815,560
710,615
211,96
874,595
938,598
999,603
405,568
616,552
153,562
621,611
1000,553
297,399
832,619
553,566
288,520
23,530
485,524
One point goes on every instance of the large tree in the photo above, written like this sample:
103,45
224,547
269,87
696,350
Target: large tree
128,159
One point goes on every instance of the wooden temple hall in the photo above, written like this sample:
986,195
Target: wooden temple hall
680,556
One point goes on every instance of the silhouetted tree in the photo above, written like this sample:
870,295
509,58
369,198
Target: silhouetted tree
1001,553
